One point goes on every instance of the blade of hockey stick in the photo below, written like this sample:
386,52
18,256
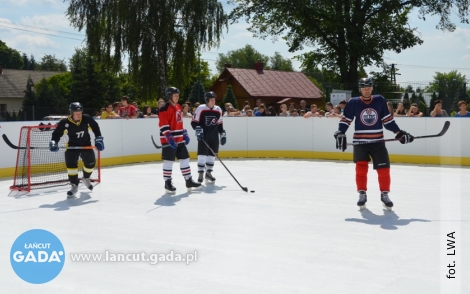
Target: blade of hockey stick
243,188
156,146
5,138
441,133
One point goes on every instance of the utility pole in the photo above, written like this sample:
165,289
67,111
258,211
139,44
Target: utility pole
393,74
198,73
393,78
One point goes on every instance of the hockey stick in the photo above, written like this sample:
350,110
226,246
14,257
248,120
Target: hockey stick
243,188
441,133
156,146
5,138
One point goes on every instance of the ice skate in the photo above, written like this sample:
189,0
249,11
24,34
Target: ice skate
386,202
209,177
73,191
201,177
169,188
362,199
190,184
87,183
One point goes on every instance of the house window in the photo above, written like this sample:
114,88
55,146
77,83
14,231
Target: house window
3,111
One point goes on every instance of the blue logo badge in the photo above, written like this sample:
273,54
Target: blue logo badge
37,256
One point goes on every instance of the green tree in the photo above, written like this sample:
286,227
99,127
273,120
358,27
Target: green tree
14,116
10,58
346,35
241,58
156,35
277,62
200,72
406,100
197,93
51,63
450,88
25,61
32,63
382,82
92,84
229,97
30,99
53,95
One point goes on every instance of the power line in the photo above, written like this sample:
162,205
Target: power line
40,33
428,66
70,33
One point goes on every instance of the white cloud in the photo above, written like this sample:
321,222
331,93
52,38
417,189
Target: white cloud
51,21
34,41
51,3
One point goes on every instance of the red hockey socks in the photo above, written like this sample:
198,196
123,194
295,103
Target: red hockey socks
361,175
384,179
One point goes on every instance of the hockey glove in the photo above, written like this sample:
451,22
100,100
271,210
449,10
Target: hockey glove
99,143
223,138
53,146
404,137
185,137
171,140
341,143
199,133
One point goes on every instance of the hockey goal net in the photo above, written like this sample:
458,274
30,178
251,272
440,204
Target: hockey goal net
38,168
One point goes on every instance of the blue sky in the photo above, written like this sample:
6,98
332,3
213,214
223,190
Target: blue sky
20,19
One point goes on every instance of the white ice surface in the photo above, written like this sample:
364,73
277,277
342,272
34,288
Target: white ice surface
300,232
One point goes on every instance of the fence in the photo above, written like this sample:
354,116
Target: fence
38,113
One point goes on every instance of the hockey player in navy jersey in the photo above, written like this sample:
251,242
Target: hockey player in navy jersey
371,115
208,124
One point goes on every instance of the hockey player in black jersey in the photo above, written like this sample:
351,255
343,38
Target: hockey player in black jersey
371,116
77,127
208,124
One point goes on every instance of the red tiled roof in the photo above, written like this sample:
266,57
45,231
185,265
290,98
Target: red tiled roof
13,82
274,83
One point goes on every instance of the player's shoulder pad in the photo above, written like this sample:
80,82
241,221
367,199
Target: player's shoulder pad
164,107
64,120
379,97
217,107
87,118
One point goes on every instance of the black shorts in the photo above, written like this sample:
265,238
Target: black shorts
213,143
377,151
181,152
71,158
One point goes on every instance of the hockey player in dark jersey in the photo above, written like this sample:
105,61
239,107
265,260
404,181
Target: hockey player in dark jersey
77,127
371,115
208,124
176,137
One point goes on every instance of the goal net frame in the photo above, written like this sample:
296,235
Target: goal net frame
39,168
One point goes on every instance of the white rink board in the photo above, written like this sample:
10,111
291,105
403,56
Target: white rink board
132,137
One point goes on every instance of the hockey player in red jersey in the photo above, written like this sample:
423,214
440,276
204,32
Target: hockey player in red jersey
371,115
208,124
175,137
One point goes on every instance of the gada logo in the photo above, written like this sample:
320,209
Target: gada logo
37,256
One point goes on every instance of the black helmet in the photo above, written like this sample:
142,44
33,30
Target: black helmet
75,106
366,82
169,93
209,95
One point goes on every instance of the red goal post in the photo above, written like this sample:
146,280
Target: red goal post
38,168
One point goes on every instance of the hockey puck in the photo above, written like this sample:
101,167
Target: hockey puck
252,191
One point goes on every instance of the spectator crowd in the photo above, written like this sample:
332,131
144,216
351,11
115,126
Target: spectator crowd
124,109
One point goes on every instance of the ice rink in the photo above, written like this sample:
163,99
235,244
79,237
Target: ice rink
300,232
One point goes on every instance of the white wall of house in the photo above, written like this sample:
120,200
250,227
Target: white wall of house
12,103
